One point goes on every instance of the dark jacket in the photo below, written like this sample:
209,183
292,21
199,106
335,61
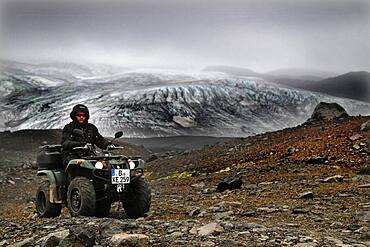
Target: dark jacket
90,135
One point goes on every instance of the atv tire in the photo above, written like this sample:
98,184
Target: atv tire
137,198
44,207
81,197
102,208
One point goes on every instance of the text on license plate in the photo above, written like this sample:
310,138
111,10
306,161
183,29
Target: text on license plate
120,176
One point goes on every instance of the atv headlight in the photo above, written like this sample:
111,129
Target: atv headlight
99,165
132,164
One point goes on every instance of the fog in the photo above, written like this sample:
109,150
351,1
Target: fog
259,35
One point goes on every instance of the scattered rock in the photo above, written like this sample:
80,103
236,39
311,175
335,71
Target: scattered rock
223,215
229,204
132,240
28,242
34,165
336,178
209,190
365,126
229,243
152,158
365,170
355,137
50,241
79,236
265,183
248,213
300,211
364,233
111,227
364,186
215,209
175,235
230,183
316,160
210,229
195,212
193,230
344,195
251,187
198,185
207,244
335,241
305,195
336,225
291,150
53,238
363,216
11,182
311,244
267,210
291,225
249,226
356,147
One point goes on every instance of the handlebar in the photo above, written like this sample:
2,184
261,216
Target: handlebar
81,148
113,147
87,146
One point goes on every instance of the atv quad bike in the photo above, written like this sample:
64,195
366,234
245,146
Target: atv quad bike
88,186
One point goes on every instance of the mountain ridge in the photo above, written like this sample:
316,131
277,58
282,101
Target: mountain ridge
353,85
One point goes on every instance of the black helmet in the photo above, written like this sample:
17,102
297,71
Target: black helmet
79,108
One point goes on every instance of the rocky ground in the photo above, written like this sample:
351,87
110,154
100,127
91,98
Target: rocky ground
304,186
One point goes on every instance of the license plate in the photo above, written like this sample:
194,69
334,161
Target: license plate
120,176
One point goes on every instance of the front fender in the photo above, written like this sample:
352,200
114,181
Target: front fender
79,167
57,180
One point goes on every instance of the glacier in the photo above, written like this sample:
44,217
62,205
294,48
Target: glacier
153,102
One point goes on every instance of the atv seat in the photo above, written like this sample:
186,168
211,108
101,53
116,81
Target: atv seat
49,157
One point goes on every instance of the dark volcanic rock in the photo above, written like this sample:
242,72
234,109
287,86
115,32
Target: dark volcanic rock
316,160
365,126
79,236
50,241
365,170
305,195
230,183
327,111
152,158
28,242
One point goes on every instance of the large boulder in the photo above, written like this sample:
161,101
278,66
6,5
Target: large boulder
327,111
79,236
28,242
132,240
365,126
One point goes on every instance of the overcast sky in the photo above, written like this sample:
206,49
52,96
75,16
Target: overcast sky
255,34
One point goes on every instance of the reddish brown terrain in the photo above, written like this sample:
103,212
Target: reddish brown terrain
303,186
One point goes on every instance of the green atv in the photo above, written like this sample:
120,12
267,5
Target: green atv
88,186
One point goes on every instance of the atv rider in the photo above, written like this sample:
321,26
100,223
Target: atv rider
80,116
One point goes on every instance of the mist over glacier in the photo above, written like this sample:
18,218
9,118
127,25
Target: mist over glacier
149,102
